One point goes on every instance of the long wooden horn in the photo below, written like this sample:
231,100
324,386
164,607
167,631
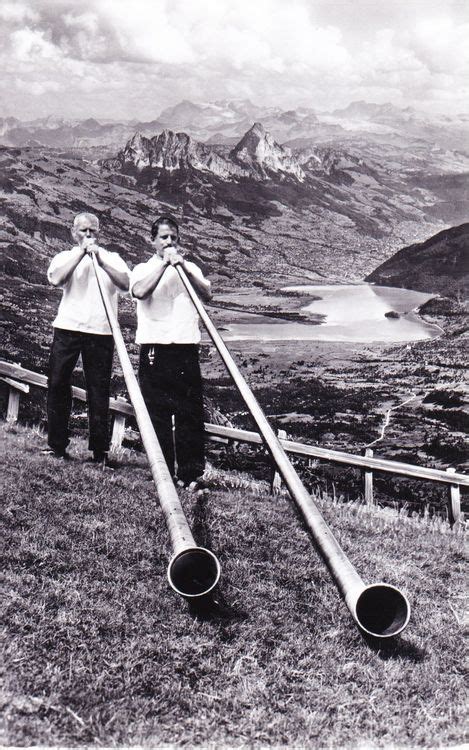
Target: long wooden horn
192,571
379,609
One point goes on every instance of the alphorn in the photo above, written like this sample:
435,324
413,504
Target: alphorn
193,571
380,610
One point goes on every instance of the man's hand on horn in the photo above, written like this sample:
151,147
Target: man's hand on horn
173,256
92,248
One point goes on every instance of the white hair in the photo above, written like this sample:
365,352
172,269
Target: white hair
85,215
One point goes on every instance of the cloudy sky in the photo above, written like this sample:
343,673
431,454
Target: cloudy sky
132,58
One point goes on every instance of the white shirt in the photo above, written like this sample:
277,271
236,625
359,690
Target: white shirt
167,316
81,307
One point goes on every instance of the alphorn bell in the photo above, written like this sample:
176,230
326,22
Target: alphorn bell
379,609
192,571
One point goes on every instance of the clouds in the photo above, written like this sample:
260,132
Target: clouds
17,12
125,58
28,45
441,44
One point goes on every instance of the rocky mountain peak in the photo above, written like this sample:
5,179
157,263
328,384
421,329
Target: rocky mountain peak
170,140
172,151
255,135
258,129
137,140
136,150
258,151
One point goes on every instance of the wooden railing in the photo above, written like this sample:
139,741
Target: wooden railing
19,378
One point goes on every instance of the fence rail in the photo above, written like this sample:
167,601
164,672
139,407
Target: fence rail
17,376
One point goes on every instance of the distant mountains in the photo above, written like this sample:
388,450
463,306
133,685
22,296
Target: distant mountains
256,156
440,265
225,122
371,186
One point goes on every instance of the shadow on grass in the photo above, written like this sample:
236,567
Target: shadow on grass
214,608
395,648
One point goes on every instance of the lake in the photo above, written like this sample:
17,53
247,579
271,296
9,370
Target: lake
351,313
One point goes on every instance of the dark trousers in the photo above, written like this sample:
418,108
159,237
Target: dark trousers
171,384
96,353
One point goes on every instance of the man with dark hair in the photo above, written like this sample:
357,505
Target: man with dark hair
170,221
81,327
169,337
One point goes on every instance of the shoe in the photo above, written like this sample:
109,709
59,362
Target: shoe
103,460
55,454
194,486
197,486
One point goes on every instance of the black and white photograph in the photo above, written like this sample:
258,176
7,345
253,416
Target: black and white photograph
234,374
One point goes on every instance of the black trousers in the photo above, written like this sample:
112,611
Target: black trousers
171,385
96,353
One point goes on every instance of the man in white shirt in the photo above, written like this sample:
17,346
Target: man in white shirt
81,327
169,336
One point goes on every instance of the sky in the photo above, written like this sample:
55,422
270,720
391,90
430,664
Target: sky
127,59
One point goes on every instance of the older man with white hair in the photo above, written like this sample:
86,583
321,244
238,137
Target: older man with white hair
81,327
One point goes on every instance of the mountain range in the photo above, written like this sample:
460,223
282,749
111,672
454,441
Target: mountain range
373,187
256,156
225,122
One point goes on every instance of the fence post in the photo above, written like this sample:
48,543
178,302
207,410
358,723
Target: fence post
454,501
13,405
369,499
14,398
276,479
118,427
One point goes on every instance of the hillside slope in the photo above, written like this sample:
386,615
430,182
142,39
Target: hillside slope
100,652
440,265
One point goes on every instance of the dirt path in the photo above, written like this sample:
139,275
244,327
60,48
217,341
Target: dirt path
387,418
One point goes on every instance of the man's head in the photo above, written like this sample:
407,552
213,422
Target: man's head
85,228
164,233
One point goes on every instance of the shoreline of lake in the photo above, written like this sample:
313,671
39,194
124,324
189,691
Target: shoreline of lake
330,312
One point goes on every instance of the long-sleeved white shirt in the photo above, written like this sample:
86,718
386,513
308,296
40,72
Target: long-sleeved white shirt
81,307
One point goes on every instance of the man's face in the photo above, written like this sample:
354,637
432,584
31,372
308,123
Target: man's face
85,230
166,236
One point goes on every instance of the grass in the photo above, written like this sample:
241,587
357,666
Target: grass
99,651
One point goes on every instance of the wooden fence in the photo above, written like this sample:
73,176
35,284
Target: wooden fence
19,379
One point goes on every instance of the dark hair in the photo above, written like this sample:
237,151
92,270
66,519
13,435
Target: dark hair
169,220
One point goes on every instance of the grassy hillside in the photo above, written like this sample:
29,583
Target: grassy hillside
100,651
